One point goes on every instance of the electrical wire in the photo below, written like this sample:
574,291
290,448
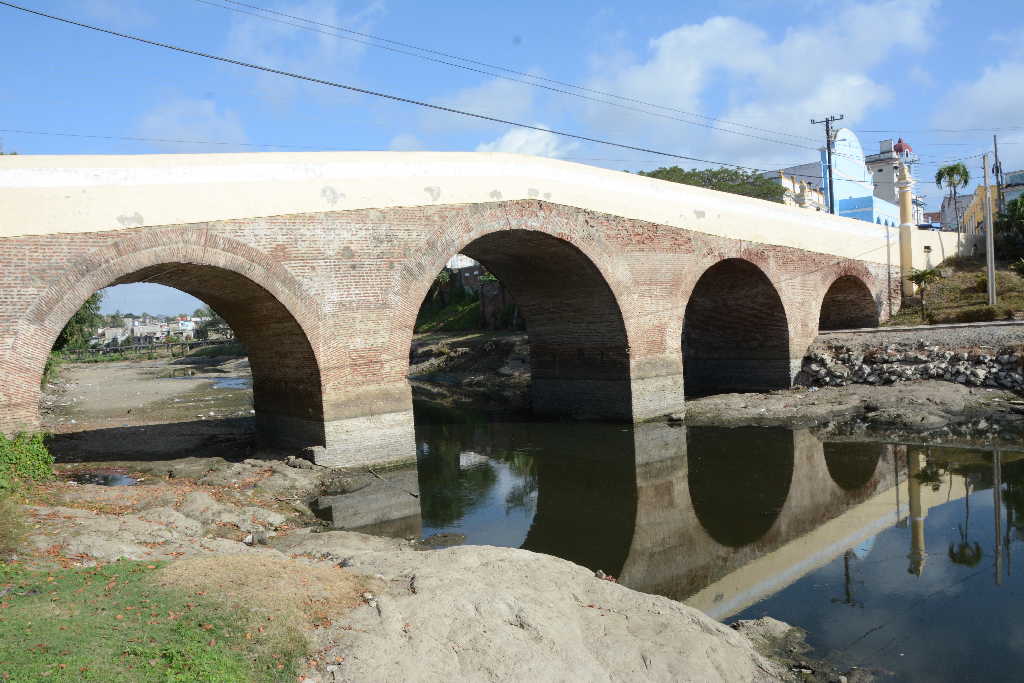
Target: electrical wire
508,78
140,139
487,65
366,91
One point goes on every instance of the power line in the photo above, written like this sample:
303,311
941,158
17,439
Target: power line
365,91
140,139
489,66
322,148
549,88
934,130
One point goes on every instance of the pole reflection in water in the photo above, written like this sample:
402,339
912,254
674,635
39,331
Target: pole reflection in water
751,521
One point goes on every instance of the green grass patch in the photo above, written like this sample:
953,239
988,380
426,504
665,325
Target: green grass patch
24,456
962,295
233,348
52,368
13,528
115,623
459,316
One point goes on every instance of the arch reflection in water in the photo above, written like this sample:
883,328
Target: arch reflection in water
667,509
738,480
851,465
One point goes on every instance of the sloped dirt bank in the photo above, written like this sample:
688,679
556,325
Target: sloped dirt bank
466,613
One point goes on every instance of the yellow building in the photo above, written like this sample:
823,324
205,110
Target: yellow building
801,193
973,221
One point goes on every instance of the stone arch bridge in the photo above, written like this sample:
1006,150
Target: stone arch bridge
636,291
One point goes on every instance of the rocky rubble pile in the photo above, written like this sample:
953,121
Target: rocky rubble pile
831,364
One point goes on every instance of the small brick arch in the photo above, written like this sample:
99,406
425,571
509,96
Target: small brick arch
566,290
848,303
261,301
736,332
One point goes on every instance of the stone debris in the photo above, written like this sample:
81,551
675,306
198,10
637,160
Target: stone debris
833,364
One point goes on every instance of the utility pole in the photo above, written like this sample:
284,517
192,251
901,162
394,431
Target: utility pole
828,121
998,170
990,243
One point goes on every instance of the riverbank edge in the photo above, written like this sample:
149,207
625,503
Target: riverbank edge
512,605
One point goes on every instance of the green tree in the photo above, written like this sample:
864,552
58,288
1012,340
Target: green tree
953,176
82,326
1009,230
736,181
214,322
923,279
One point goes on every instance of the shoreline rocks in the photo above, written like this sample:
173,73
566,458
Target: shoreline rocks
836,364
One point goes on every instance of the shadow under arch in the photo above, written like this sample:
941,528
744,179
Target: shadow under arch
852,465
287,388
735,332
579,353
737,494
848,304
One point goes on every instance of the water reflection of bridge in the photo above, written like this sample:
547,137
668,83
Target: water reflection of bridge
718,517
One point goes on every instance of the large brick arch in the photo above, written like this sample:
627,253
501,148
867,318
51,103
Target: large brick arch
261,301
564,282
736,331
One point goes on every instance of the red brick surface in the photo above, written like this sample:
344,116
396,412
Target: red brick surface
327,301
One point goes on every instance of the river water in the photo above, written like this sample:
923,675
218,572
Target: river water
899,557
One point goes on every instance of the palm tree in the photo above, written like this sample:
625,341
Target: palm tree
953,176
965,552
923,278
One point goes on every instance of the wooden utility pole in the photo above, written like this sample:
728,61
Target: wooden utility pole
828,121
990,243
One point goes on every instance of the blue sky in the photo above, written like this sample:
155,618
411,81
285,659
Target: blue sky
908,67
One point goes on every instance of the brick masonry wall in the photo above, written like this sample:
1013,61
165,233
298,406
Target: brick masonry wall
327,301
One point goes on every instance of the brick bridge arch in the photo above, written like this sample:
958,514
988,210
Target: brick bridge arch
258,298
567,285
736,330
847,300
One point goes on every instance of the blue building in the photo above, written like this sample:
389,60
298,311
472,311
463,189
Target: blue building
853,183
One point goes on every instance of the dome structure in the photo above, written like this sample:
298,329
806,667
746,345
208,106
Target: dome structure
902,148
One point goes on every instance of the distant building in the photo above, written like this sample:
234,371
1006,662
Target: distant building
854,183
973,220
465,271
149,334
182,327
933,217
801,192
950,213
106,336
1013,186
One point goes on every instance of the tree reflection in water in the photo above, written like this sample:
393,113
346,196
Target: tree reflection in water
452,481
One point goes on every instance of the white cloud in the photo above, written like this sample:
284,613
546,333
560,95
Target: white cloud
732,69
920,75
112,11
497,97
405,142
193,119
539,143
289,48
994,100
